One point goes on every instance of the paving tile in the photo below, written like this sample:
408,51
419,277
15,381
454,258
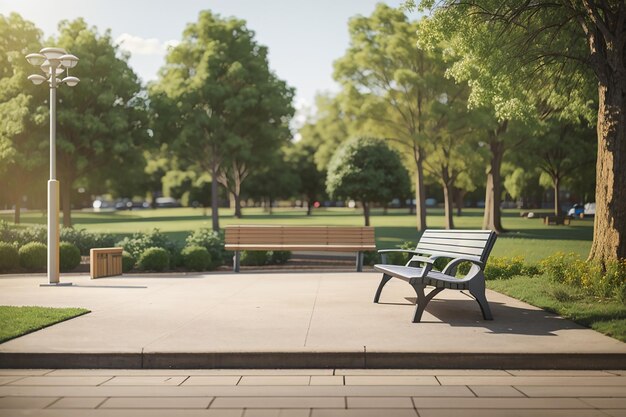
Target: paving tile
278,402
159,403
212,380
379,402
532,380
113,412
606,402
284,412
24,372
454,412
186,372
355,412
326,380
418,372
78,402
275,380
548,372
61,380
8,379
495,391
572,391
615,413
510,403
145,380
391,380
26,402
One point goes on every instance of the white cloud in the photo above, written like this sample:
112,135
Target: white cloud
140,46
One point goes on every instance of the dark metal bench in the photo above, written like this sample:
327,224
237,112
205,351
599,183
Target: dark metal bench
458,245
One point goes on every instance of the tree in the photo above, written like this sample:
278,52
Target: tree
366,170
101,123
21,110
388,85
555,46
224,111
301,158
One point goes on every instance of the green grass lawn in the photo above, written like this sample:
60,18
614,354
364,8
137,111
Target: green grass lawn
526,237
605,316
18,321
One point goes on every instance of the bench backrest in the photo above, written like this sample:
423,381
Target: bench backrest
299,235
475,244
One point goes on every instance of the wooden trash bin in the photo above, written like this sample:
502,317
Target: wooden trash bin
105,262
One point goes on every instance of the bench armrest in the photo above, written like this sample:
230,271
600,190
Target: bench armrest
416,255
450,268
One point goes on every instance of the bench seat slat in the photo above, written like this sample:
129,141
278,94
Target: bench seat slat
459,250
455,242
482,235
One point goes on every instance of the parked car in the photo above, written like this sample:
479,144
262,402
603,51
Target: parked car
578,210
163,202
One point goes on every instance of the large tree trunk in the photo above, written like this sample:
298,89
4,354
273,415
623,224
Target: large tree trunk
459,195
420,192
215,217
492,219
366,213
309,207
556,182
447,203
609,236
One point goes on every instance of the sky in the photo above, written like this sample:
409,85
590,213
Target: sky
304,37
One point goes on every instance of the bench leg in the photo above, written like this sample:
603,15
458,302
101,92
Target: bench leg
236,258
383,281
422,300
359,262
477,289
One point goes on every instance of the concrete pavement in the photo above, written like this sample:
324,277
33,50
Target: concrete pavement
289,320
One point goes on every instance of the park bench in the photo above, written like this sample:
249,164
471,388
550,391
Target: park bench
458,245
556,220
300,238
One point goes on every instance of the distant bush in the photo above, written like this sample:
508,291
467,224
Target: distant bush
85,241
128,262
400,258
503,267
69,256
154,259
9,257
254,258
212,241
196,258
137,244
33,256
371,258
278,257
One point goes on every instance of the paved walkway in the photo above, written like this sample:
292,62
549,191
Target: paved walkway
311,393
289,320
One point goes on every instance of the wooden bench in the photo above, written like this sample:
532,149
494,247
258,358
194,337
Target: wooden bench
556,220
458,245
300,238
105,262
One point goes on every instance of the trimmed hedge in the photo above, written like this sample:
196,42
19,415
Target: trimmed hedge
33,255
154,259
196,258
9,257
128,262
69,256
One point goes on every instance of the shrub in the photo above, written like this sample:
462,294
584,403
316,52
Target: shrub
504,268
212,241
128,262
33,255
69,256
154,259
254,258
32,234
278,257
139,242
9,257
7,233
196,258
85,240
400,258
371,257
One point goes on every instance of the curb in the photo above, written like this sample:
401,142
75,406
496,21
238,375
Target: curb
313,360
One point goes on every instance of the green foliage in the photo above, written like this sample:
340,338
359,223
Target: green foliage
505,268
278,257
212,241
69,256
590,276
9,257
254,257
367,170
371,258
18,321
401,258
128,262
154,259
85,241
196,258
33,256
137,244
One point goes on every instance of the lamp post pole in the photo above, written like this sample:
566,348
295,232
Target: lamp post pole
53,62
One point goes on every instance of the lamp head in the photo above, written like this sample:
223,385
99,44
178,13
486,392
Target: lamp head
68,61
35,59
70,81
53,53
37,79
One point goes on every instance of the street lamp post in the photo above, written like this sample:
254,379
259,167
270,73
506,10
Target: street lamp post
53,62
